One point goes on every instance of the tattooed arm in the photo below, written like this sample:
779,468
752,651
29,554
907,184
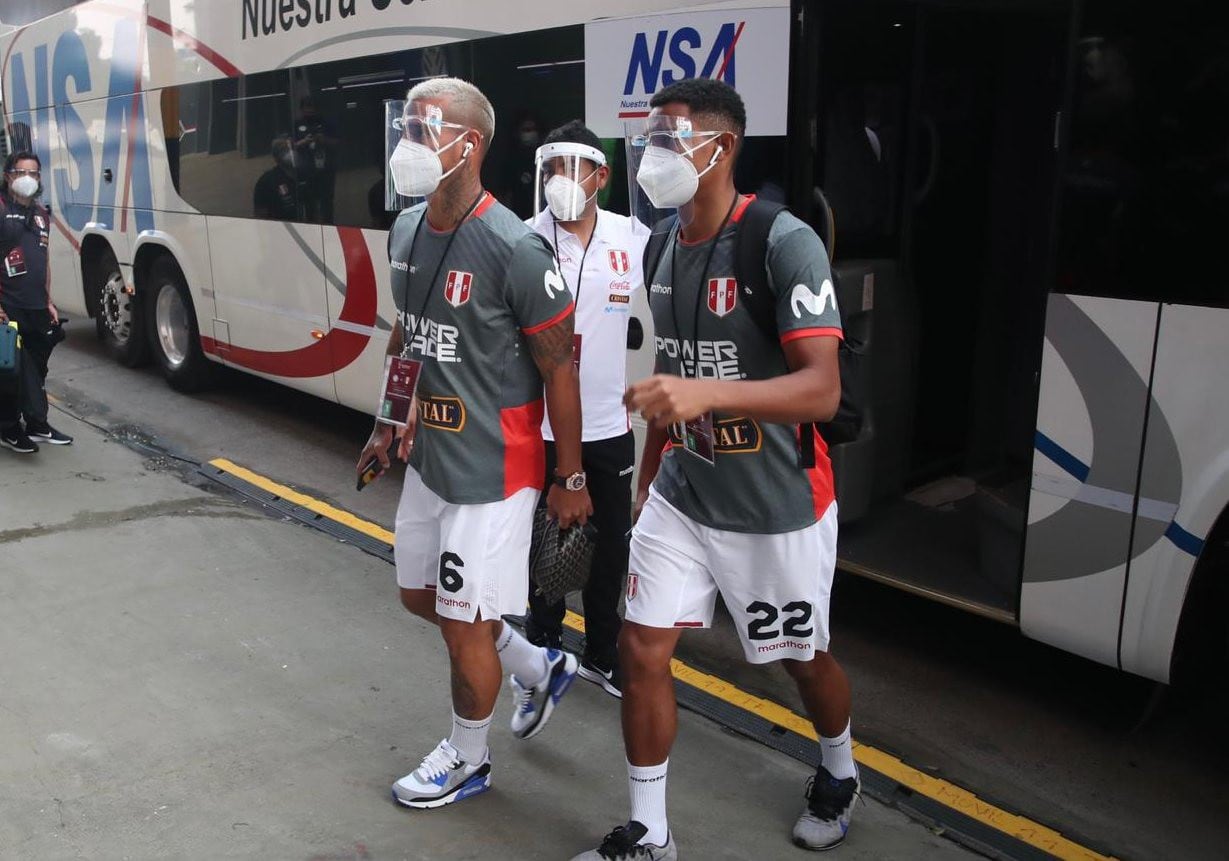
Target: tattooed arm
551,349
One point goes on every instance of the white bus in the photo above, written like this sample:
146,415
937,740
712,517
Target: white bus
1031,201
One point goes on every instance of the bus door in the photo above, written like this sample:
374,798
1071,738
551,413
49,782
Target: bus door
247,171
931,130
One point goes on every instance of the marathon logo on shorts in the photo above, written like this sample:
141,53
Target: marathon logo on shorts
633,583
458,603
799,645
441,413
620,262
739,435
722,295
456,287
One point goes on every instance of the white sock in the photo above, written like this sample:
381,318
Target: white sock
837,755
647,785
469,737
521,657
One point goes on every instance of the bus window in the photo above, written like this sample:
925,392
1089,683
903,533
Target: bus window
234,160
1145,192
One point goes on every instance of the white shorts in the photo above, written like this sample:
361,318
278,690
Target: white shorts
474,557
776,587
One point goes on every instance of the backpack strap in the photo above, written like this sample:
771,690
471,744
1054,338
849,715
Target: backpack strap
656,246
751,270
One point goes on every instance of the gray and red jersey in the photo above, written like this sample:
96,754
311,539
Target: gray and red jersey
704,330
480,394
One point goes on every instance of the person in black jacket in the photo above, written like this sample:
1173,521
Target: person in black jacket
25,298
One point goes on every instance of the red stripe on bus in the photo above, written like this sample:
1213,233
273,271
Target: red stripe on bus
206,53
339,347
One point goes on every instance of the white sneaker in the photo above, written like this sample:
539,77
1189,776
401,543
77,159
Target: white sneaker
532,706
442,779
824,822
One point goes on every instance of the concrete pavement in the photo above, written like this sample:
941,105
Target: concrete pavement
182,676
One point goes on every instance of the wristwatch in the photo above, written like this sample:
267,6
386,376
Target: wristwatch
575,481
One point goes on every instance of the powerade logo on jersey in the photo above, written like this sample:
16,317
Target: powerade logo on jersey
709,360
432,340
61,74
659,59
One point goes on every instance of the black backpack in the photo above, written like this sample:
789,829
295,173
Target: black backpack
750,254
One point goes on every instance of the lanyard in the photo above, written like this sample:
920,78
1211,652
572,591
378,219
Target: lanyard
580,272
695,321
422,310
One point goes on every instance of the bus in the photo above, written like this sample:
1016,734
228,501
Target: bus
1029,201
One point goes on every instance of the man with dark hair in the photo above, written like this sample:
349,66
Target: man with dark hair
276,194
25,298
315,143
731,509
599,255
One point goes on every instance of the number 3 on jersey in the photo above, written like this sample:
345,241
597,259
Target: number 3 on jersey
450,578
797,620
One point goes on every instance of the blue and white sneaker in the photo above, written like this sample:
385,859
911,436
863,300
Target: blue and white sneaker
442,779
532,706
825,820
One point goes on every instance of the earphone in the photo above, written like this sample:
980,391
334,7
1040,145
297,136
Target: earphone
469,145
716,155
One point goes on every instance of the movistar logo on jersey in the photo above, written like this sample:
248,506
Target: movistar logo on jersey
432,340
803,299
711,360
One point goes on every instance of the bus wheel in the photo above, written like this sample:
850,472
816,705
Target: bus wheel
173,332
119,318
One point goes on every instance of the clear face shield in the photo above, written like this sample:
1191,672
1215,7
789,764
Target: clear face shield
661,176
566,178
414,136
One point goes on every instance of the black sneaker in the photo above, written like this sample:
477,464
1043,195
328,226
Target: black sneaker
623,844
825,820
49,435
17,440
540,637
594,671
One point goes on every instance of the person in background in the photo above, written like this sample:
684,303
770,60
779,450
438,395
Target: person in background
25,298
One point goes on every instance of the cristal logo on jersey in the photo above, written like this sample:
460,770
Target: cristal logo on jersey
620,262
442,413
456,288
722,294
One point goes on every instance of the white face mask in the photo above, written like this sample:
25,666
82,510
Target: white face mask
416,168
24,186
670,179
566,198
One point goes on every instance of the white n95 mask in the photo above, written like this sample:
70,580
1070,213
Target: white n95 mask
566,198
416,168
669,179
25,186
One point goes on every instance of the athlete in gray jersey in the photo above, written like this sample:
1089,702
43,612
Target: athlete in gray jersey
480,404
484,311
755,484
729,511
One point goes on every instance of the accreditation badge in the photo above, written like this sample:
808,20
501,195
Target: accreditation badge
400,382
697,436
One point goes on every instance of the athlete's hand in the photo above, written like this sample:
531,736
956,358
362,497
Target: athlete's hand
377,445
569,507
406,441
664,399
642,496
54,312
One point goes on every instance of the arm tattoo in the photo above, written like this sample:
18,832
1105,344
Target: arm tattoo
552,348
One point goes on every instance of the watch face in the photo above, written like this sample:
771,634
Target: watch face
575,482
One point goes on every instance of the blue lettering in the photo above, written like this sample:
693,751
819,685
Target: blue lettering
648,68
125,118
723,52
70,62
685,36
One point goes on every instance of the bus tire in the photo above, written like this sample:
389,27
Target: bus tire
173,332
119,320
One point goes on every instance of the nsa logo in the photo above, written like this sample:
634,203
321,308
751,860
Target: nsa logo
722,294
620,262
456,288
